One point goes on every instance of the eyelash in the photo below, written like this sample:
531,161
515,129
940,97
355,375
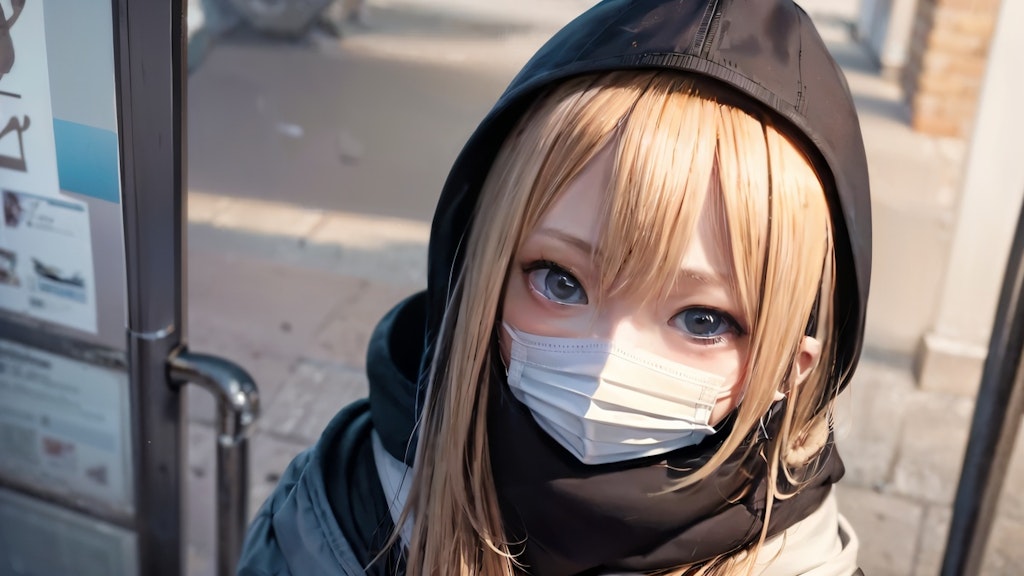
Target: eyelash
552,267
546,265
729,323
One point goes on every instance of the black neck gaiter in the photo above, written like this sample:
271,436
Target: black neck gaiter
568,518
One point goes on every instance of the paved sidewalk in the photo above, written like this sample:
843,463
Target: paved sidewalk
289,270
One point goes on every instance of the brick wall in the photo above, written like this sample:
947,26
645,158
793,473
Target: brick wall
946,63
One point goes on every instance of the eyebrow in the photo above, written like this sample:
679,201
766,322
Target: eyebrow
701,276
574,241
709,277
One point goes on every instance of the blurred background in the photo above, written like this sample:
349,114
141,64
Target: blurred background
320,133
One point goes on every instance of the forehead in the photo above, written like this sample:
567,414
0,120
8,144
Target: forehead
579,210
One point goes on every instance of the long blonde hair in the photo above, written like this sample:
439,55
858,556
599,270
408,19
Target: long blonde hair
670,141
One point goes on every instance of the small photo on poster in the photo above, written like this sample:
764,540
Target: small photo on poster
13,211
46,267
8,268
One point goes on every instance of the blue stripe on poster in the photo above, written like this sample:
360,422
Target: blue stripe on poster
87,160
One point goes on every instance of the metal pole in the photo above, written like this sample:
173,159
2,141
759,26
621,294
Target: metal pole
997,415
238,406
150,72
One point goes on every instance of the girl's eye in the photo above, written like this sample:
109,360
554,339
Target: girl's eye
555,283
704,323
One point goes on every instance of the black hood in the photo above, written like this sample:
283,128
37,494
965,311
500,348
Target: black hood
765,50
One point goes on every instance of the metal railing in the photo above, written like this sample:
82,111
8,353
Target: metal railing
997,414
238,404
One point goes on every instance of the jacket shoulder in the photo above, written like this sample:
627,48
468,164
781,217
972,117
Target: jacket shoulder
294,532
261,552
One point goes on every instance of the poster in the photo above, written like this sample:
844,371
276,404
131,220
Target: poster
38,539
64,426
46,267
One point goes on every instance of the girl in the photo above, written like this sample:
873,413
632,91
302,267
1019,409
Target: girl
647,279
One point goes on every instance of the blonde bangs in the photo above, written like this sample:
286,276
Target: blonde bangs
667,140
664,161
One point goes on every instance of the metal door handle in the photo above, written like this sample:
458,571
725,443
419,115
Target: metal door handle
238,403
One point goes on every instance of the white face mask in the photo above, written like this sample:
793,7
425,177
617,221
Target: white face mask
606,403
